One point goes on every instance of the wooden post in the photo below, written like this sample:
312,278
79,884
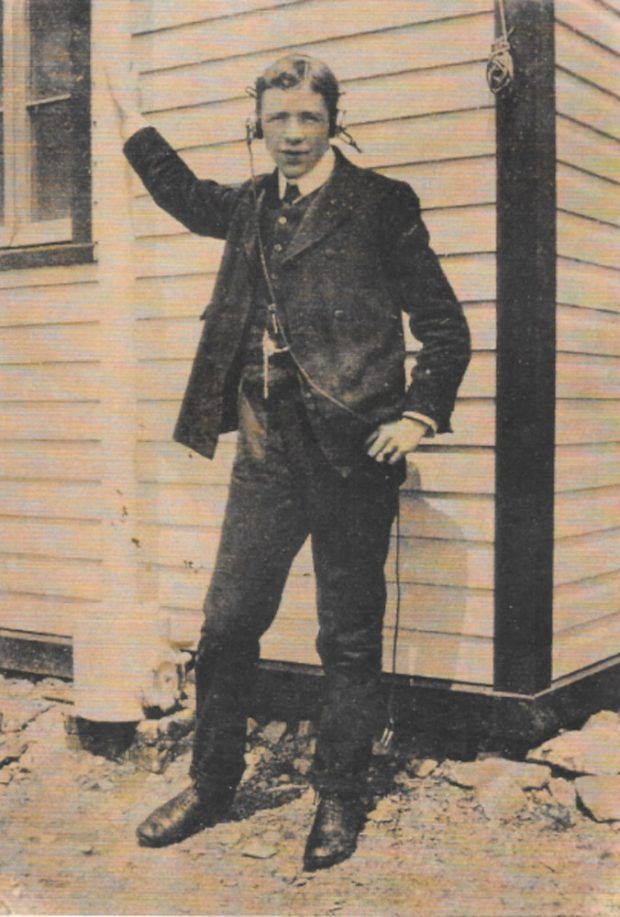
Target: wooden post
526,252
114,649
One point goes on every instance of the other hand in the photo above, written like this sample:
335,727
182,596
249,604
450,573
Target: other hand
392,441
123,84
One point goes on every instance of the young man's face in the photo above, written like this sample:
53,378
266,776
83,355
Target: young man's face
295,127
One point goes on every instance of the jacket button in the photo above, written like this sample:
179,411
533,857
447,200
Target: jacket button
338,313
282,220
277,247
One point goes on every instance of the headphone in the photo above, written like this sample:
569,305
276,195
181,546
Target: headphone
253,129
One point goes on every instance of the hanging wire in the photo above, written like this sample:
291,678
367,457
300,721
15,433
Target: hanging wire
388,733
500,66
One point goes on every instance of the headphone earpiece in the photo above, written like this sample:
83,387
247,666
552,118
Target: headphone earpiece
253,129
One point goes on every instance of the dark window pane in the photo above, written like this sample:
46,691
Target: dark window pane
50,48
51,160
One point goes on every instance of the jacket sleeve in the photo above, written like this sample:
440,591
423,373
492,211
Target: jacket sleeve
436,319
205,207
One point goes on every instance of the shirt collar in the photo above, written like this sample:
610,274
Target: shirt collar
313,179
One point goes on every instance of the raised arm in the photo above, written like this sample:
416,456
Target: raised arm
204,207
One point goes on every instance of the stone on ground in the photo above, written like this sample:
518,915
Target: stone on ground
273,732
11,749
385,811
158,742
259,849
594,749
600,796
499,784
563,792
422,767
480,774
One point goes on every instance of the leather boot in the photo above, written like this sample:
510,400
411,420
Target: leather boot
182,816
333,837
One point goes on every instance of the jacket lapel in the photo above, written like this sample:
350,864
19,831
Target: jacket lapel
335,202
252,212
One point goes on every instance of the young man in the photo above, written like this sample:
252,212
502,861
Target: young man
302,350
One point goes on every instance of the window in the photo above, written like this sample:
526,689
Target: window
44,132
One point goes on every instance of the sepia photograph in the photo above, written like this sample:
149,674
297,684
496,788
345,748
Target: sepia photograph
310,458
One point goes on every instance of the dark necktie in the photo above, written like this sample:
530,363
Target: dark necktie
291,193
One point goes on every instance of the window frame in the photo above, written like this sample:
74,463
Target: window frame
25,243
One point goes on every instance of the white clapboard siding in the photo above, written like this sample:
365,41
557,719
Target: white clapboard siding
587,645
588,195
582,467
602,511
595,19
441,184
148,16
588,285
77,461
50,498
579,603
579,54
173,296
265,30
582,556
587,331
588,240
588,380
69,538
62,381
576,98
579,145
426,45
49,342
587,421
43,614
587,376
38,420
46,278
62,578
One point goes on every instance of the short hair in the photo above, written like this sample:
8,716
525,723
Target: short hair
295,69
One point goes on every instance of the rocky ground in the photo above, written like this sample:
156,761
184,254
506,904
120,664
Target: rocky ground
443,838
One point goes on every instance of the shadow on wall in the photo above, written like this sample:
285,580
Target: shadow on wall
434,578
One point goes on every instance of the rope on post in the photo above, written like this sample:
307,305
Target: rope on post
500,66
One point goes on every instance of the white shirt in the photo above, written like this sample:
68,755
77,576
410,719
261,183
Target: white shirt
312,180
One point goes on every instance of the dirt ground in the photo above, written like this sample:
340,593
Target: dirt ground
67,842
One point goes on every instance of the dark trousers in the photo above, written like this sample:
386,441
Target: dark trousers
282,490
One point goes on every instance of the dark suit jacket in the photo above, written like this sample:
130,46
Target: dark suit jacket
359,257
